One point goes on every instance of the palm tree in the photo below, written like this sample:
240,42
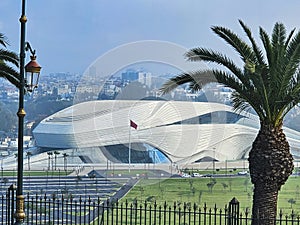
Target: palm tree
7,60
269,82
55,158
49,160
65,155
28,154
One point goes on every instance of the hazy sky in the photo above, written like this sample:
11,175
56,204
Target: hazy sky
70,34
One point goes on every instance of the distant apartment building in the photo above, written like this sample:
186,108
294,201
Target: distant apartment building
88,88
63,89
130,75
110,89
145,78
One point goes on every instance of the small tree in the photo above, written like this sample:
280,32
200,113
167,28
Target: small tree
230,183
200,196
211,184
193,190
297,191
162,191
191,183
292,202
224,186
142,192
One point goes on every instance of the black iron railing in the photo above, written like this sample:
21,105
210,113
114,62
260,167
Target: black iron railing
48,210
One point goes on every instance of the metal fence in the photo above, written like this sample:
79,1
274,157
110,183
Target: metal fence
48,210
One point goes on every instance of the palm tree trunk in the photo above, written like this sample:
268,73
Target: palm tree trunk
270,163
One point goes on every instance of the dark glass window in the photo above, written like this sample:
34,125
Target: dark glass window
218,117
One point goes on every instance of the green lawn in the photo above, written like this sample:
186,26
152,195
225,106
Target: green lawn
196,190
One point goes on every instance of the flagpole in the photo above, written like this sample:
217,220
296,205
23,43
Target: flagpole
129,149
133,125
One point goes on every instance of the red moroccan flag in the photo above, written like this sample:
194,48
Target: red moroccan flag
133,124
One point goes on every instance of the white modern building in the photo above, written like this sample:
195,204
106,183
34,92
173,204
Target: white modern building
185,132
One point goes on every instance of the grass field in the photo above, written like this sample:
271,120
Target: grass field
212,191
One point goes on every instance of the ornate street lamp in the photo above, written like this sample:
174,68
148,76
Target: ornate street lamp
32,70
26,85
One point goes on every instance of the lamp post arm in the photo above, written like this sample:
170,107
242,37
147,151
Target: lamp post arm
28,48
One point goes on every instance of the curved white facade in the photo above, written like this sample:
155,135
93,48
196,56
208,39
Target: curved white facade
183,131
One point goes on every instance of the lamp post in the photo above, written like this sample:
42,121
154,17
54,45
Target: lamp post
214,160
32,70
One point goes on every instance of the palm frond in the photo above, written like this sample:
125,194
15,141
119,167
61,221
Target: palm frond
284,70
295,79
239,103
9,56
278,44
278,35
10,74
196,79
285,106
3,40
267,45
271,64
198,54
294,93
292,55
256,49
289,38
248,94
236,42
6,58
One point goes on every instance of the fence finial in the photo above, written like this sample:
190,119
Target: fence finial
233,212
234,201
12,187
